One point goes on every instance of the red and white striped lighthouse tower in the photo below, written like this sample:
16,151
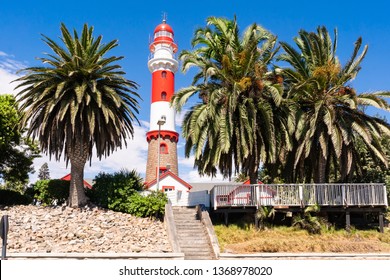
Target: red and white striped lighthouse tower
162,137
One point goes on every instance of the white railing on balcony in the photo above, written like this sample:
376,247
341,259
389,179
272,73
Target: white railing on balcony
370,194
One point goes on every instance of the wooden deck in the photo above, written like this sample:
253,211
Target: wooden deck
299,195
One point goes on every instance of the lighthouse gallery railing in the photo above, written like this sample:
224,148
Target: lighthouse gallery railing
370,194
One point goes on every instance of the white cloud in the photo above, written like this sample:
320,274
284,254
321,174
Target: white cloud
8,63
179,117
5,82
8,68
189,174
186,162
193,177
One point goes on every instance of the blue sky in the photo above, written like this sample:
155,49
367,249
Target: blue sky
132,23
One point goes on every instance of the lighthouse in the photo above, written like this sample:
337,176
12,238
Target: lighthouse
162,137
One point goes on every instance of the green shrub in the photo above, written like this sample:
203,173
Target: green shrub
41,193
59,190
48,192
119,192
308,221
10,197
113,191
152,205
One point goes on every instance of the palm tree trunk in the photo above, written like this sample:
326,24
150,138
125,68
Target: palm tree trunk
254,170
78,157
321,169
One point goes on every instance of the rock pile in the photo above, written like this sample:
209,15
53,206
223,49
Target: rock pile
87,230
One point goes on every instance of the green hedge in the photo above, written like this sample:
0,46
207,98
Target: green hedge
9,198
49,192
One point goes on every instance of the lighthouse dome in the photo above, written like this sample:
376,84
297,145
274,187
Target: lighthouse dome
163,27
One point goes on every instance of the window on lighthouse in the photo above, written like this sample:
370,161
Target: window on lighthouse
163,148
163,95
164,74
163,34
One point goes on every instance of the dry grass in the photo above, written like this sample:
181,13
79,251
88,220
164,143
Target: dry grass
234,239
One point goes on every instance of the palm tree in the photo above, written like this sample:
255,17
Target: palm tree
80,101
232,127
329,118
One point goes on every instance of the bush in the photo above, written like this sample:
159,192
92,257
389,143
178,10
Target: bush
49,192
307,221
113,191
152,205
10,197
59,190
119,192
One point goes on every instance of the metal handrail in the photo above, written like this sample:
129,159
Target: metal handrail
342,194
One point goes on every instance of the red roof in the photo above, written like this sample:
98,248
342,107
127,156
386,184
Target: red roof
248,182
68,177
166,174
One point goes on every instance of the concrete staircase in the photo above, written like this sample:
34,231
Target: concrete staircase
192,236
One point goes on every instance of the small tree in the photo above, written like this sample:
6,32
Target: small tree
113,191
16,152
263,216
44,173
51,192
308,221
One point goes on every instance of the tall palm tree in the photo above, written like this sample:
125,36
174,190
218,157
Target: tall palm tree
329,118
232,127
80,101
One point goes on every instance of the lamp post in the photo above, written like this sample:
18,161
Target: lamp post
160,122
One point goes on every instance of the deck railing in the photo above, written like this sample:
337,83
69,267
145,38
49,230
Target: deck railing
370,194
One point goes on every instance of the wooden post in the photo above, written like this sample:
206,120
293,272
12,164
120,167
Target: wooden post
300,189
348,221
343,196
381,222
214,196
256,221
226,215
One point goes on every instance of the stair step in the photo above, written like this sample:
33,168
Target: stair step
188,236
195,247
191,232
188,226
186,242
195,233
197,225
187,222
184,218
196,253
203,243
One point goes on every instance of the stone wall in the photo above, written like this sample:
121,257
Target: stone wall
87,230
